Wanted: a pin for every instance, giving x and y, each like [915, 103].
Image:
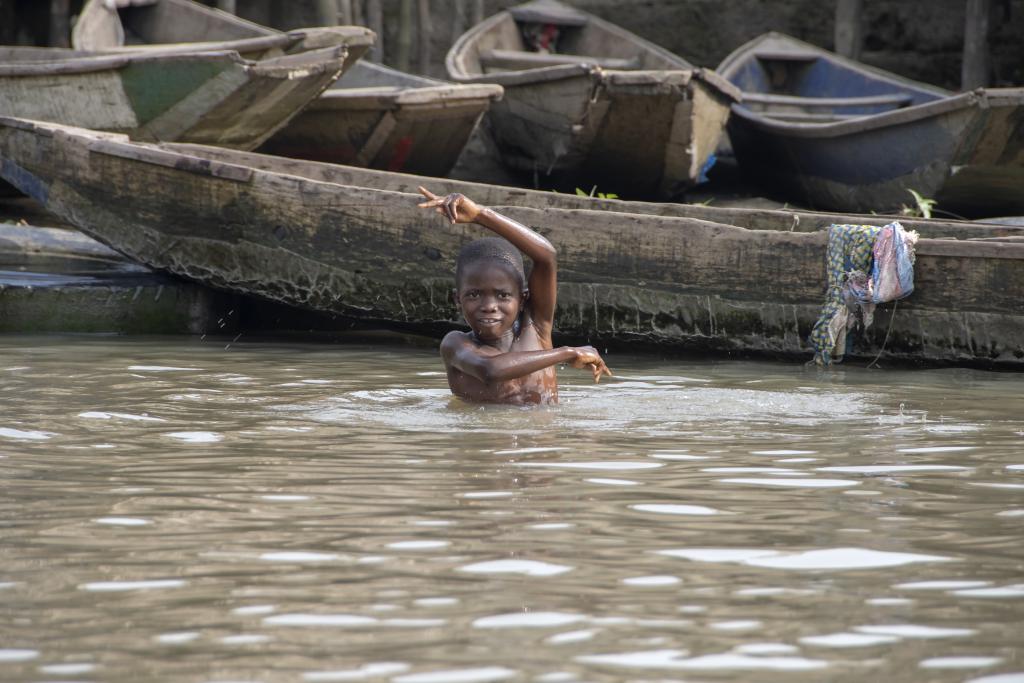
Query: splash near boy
[507, 356]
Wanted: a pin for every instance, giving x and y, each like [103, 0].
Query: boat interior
[790, 82]
[545, 34]
[365, 74]
[182, 21]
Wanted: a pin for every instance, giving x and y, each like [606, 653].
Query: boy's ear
[455, 296]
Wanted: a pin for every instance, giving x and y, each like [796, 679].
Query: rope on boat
[887, 331]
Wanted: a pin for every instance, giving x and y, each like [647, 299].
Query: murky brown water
[176, 511]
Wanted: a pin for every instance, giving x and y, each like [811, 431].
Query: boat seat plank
[548, 13]
[785, 56]
[809, 117]
[893, 99]
[522, 59]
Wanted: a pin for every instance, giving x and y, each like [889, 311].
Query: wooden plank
[974, 72]
[403, 51]
[849, 29]
[375, 20]
[345, 13]
[60, 26]
[458, 19]
[376, 140]
[522, 59]
[227, 6]
[896, 99]
[326, 12]
[424, 36]
[785, 56]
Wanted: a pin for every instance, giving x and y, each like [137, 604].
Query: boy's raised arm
[543, 283]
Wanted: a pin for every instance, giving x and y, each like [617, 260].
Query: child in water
[507, 356]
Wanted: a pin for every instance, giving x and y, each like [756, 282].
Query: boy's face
[490, 296]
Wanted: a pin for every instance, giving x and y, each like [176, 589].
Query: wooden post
[974, 72]
[375, 20]
[849, 32]
[358, 16]
[7, 25]
[424, 35]
[404, 46]
[345, 12]
[478, 12]
[60, 24]
[227, 6]
[458, 20]
[326, 12]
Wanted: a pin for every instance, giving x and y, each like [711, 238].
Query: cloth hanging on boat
[892, 273]
[866, 265]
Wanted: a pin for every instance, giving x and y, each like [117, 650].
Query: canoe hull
[203, 97]
[584, 129]
[784, 220]
[611, 110]
[381, 118]
[970, 159]
[964, 151]
[372, 254]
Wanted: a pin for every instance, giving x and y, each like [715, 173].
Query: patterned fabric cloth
[892, 274]
[866, 265]
[847, 262]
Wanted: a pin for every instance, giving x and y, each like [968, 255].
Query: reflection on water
[175, 510]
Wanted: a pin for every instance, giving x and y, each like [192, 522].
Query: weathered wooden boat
[57, 280]
[213, 97]
[383, 118]
[588, 103]
[375, 116]
[306, 240]
[108, 25]
[786, 220]
[836, 134]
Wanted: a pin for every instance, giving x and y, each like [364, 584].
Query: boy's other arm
[488, 364]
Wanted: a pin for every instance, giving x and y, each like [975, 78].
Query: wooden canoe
[597, 106]
[184, 25]
[383, 118]
[372, 254]
[215, 98]
[835, 134]
[141, 24]
[784, 220]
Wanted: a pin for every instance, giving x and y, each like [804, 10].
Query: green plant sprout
[923, 207]
[594, 193]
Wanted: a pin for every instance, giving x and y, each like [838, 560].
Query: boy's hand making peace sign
[457, 208]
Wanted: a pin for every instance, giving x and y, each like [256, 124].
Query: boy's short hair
[495, 249]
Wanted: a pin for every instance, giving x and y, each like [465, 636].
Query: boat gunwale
[745, 52]
[108, 62]
[945, 101]
[120, 146]
[729, 213]
[446, 95]
[861, 124]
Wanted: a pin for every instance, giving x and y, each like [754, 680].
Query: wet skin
[493, 363]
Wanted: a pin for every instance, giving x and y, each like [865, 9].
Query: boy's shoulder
[455, 340]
